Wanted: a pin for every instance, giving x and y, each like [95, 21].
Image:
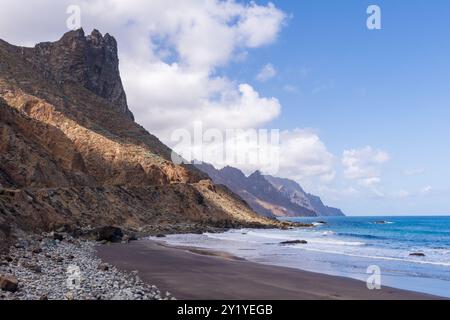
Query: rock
[33, 267]
[36, 250]
[129, 237]
[57, 236]
[69, 295]
[294, 242]
[160, 235]
[22, 244]
[9, 283]
[109, 233]
[417, 254]
[103, 267]
[61, 229]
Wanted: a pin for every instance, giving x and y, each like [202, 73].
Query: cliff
[270, 196]
[71, 153]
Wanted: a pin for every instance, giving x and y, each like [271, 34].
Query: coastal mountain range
[270, 196]
[72, 155]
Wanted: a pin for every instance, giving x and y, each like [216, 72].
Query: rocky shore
[57, 266]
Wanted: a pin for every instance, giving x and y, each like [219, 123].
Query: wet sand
[199, 274]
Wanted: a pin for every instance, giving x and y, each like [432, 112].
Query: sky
[363, 114]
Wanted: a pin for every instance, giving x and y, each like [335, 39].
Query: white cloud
[364, 165]
[291, 88]
[266, 73]
[298, 154]
[169, 51]
[304, 156]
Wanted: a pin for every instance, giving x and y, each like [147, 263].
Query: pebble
[77, 275]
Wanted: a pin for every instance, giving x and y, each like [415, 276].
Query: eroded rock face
[71, 154]
[91, 61]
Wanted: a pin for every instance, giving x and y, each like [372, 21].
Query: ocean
[347, 246]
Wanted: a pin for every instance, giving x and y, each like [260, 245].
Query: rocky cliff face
[270, 196]
[70, 152]
[296, 194]
[91, 61]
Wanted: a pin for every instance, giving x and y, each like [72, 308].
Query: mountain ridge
[270, 196]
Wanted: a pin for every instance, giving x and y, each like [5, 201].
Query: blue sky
[388, 88]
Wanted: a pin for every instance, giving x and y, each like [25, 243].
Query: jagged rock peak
[91, 61]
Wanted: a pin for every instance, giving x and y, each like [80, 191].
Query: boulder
[33, 267]
[129, 237]
[8, 283]
[36, 250]
[294, 242]
[417, 254]
[69, 296]
[57, 236]
[21, 244]
[111, 234]
[103, 267]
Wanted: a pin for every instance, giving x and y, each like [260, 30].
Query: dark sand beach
[197, 274]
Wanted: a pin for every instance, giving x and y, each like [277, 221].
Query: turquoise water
[347, 246]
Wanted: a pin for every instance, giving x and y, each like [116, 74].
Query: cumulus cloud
[364, 165]
[304, 155]
[266, 73]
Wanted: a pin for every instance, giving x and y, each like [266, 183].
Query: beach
[199, 274]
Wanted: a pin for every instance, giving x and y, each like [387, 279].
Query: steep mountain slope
[296, 194]
[237, 182]
[70, 152]
[269, 196]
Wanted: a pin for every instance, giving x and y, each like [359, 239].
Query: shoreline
[191, 273]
